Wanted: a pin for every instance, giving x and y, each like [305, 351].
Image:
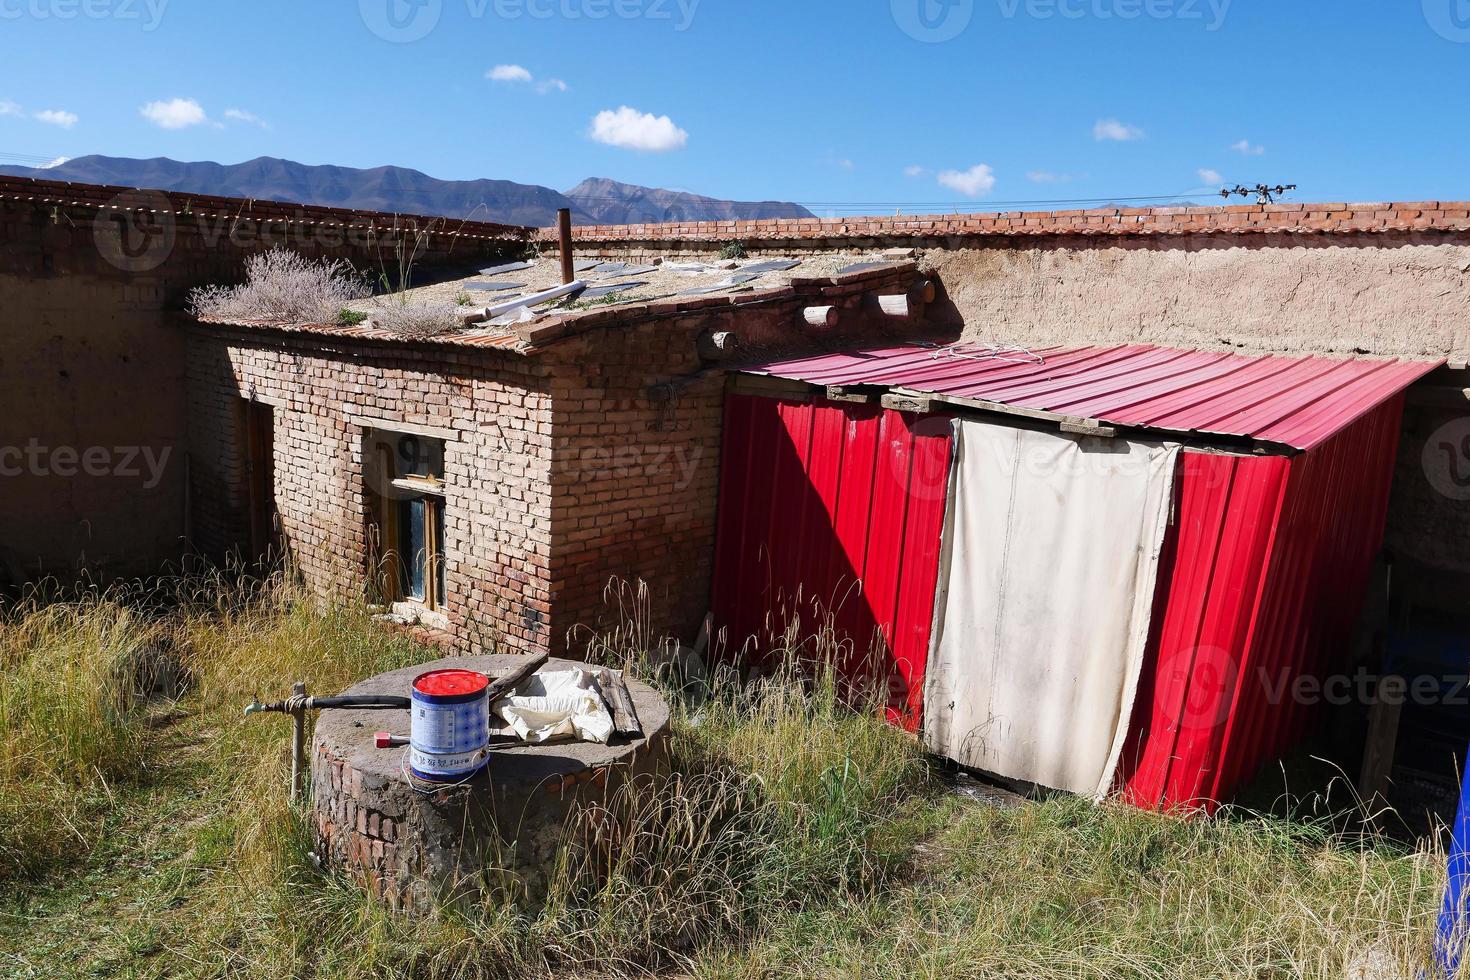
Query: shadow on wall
[828, 542]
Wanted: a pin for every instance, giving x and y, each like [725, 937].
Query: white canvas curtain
[1051, 551]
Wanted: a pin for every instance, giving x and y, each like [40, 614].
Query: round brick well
[415, 846]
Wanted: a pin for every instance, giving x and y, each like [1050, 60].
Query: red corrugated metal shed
[830, 515]
[1265, 564]
[1295, 402]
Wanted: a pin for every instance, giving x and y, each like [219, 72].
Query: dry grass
[282, 286]
[414, 319]
[797, 837]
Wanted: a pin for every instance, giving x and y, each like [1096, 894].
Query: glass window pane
[411, 546]
[418, 457]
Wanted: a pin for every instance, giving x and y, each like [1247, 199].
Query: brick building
[528, 467]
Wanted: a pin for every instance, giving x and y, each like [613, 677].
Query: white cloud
[175, 113]
[240, 115]
[1047, 177]
[979, 179]
[58, 117]
[508, 73]
[1208, 176]
[1245, 147]
[520, 75]
[846, 164]
[8, 108]
[54, 163]
[633, 130]
[915, 171]
[1112, 129]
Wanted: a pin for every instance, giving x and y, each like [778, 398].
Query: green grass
[148, 838]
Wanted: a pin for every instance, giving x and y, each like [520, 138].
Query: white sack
[562, 704]
[1051, 551]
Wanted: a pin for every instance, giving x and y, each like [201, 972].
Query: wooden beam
[1090, 427]
[564, 241]
[508, 682]
[820, 316]
[908, 403]
[716, 344]
[897, 306]
[620, 704]
[841, 393]
[767, 387]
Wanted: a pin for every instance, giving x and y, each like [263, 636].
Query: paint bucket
[449, 725]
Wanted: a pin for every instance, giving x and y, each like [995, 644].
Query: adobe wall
[493, 412]
[1387, 294]
[93, 284]
[1395, 294]
[1296, 278]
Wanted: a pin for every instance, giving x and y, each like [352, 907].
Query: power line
[26, 159]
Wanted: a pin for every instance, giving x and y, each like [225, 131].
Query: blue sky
[844, 101]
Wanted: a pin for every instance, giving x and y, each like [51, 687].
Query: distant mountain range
[397, 189]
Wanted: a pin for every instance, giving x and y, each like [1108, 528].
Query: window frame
[392, 566]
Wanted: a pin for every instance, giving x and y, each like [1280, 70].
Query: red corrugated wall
[841, 505]
[1262, 582]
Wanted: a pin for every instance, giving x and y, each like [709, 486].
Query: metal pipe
[298, 740]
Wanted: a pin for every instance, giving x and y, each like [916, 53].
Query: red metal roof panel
[1293, 401]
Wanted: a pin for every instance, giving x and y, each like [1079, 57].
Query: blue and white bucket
[449, 725]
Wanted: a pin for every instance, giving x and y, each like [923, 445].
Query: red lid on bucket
[451, 683]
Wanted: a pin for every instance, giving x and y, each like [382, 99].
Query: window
[406, 484]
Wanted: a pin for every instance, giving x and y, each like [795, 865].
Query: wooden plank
[1089, 428]
[1383, 736]
[507, 683]
[768, 387]
[841, 393]
[620, 703]
[908, 403]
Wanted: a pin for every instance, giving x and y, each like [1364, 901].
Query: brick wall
[595, 458]
[1325, 219]
[637, 422]
[93, 282]
[492, 411]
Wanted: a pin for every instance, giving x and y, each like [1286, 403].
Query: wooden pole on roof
[564, 234]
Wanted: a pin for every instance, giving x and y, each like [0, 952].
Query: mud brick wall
[492, 411]
[93, 284]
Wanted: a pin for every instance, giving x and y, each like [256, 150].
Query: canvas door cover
[1051, 552]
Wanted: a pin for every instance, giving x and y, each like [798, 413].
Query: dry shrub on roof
[417, 319]
[282, 286]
